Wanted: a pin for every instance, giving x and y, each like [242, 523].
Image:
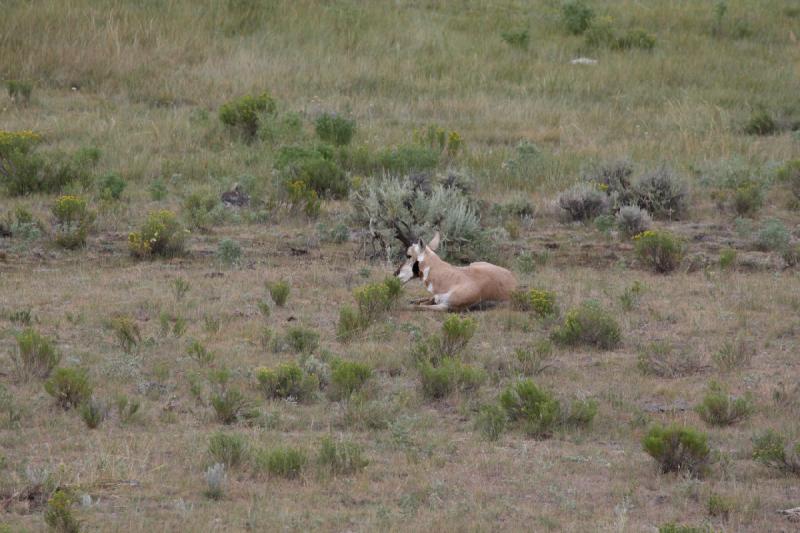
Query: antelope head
[415, 254]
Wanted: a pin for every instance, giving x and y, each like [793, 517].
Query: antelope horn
[405, 236]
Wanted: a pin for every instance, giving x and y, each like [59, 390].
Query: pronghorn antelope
[454, 288]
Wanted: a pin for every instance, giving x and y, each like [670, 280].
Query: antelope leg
[423, 301]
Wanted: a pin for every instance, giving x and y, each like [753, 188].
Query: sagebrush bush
[589, 324]
[662, 359]
[770, 449]
[491, 421]
[448, 377]
[539, 301]
[747, 198]
[773, 236]
[662, 194]
[111, 186]
[73, 221]
[583, 201]
[360, 413]
[282, 462]
[69, 386]
[577, 16]
[229, 449]
[216, 479]
[580, 413]
[279, 292]
[632, 220]
[340, 457]
[161, 235]
[347, 377]
[58, 515]
[245, 114]
[717, 408]
[335, 129]
[533, 409]
[659, 250]
[678, 449]
[287, 380]
[35, 357]
[93, 412]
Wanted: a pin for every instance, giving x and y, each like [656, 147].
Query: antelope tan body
[452, 287]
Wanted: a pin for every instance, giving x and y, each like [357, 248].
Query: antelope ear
[434, 244]
[421, 245]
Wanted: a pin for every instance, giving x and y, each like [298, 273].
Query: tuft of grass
[678, 449]
[589, 324]
[216, 481]
[717, 408]
[35, 357]
[200, 353]
[279, 292]
[127, 332]
[760, 123]
[230, 405]
[340, 457]
[287, 381]
[229, 449]
[734, 354]
[229, 252]
[449, 376]
[662, 359]
[93, 412]
[282, 462]
[69, 386]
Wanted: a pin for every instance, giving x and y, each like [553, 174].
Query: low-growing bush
[127, 332]
[200, 353]
[245, 114]
[632, 220]
[315, 168]
[456, 334]
[662, 194]
[583, 201]
[199, 209]
[376, 299]
[747, 198]
[580, 414]
[229, 449]
[300, 339]
[662, 359]
[659, 250]
[301, 197]
[491, 421]
[538, 301]
[348, 377]
[58, 515]
[577, 16]
[229, 252]
[216, 480]
[349, 325]
[73, 221]
[35, 357]
[127, 409]
[69, 386]
[720, 506]
[760, 123]
[770, 449]
[19, 90]
[334, 129]
[93, 412]
[340, 457]
[230, 405]
[678, 449]
[161, 235]
[589, 324]
[773, 236]
[789, 174]
[516, 38]
[279, 292]
[535, 410]
[111, 186]
[287, 381]
[727, 258]
[450, 376]
[282, 462]
[719, 409]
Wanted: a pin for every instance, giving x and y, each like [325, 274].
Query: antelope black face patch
[415, 269]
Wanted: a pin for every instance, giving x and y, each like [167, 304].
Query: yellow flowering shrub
[539, 301]
[73, 221]
[161, 234]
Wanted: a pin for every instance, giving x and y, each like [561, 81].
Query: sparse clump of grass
[662, 194]
[336, 233]
[533, 360]
[576, 16]
[349, 324]
[19, 90]
[245, 114]
[127, 408]
[335, 129]
[161, 235]
[279, 292]
[229, 449]
[583, 201]
[635, 38]
[180, 288]
[659, 250]
[678, 449]
[200, 353]
[229, 252]
[591, 325]
[727, 258]
[770, 448]
[449, 376]
[734, 354]
[720, 506]
[58, 515]
[127, 332]
[287, 381]
[491, 421]
[536, 411]
[360, 413]
[35, 356]
[719, 409]
[789, 174]
[282, 462]
[69, 386]
[340, 457]
[541, 302]
[629, 299]
[773, 236]
[632, 220]
[111, 186]
[93, 412]
[760, 123]
[348, 377]
[73, 221]
[216, 481]
[662, 359]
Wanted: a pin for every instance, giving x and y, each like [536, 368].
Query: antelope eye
[408, 256]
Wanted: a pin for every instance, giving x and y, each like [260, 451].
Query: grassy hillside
[131, 110]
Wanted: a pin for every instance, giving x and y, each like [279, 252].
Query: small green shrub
[282, 462]
[539, 301]
[789, 174]
[111, 186]
[312, 169]
[287, 381]
[659, 250]
[536, 411]
[300, 339]
[635, 38]
[719, 409]
[279, 292]
[334, 129]
[632, 220]
[69, 386]
[245, 114]
[349, 325]
[727, 258]
[180, 288]
[450, 376]
[376, 299]
[19, 90]
[662, 194]
[127, 409]
[491, 421]
[516, 38]
[199, 209]
[760, 123]
[589, 324]
[35, 357]
[577, 17]
[678, 449]
[200, 353]
[456, 334]
[601, 34]
[770, 449]
[229, 252]
[583, 201]
[127, 332]
[229, 449]
[161, 235]
[58, 516]
[73, 221]
[230, 405]
[216, 479]
[747, 198]
[340, 458]
[720, 506]
[773, 236]
[360, 413]
[348, 377]
[93, 412]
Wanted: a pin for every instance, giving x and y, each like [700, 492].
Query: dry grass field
[134, 390]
